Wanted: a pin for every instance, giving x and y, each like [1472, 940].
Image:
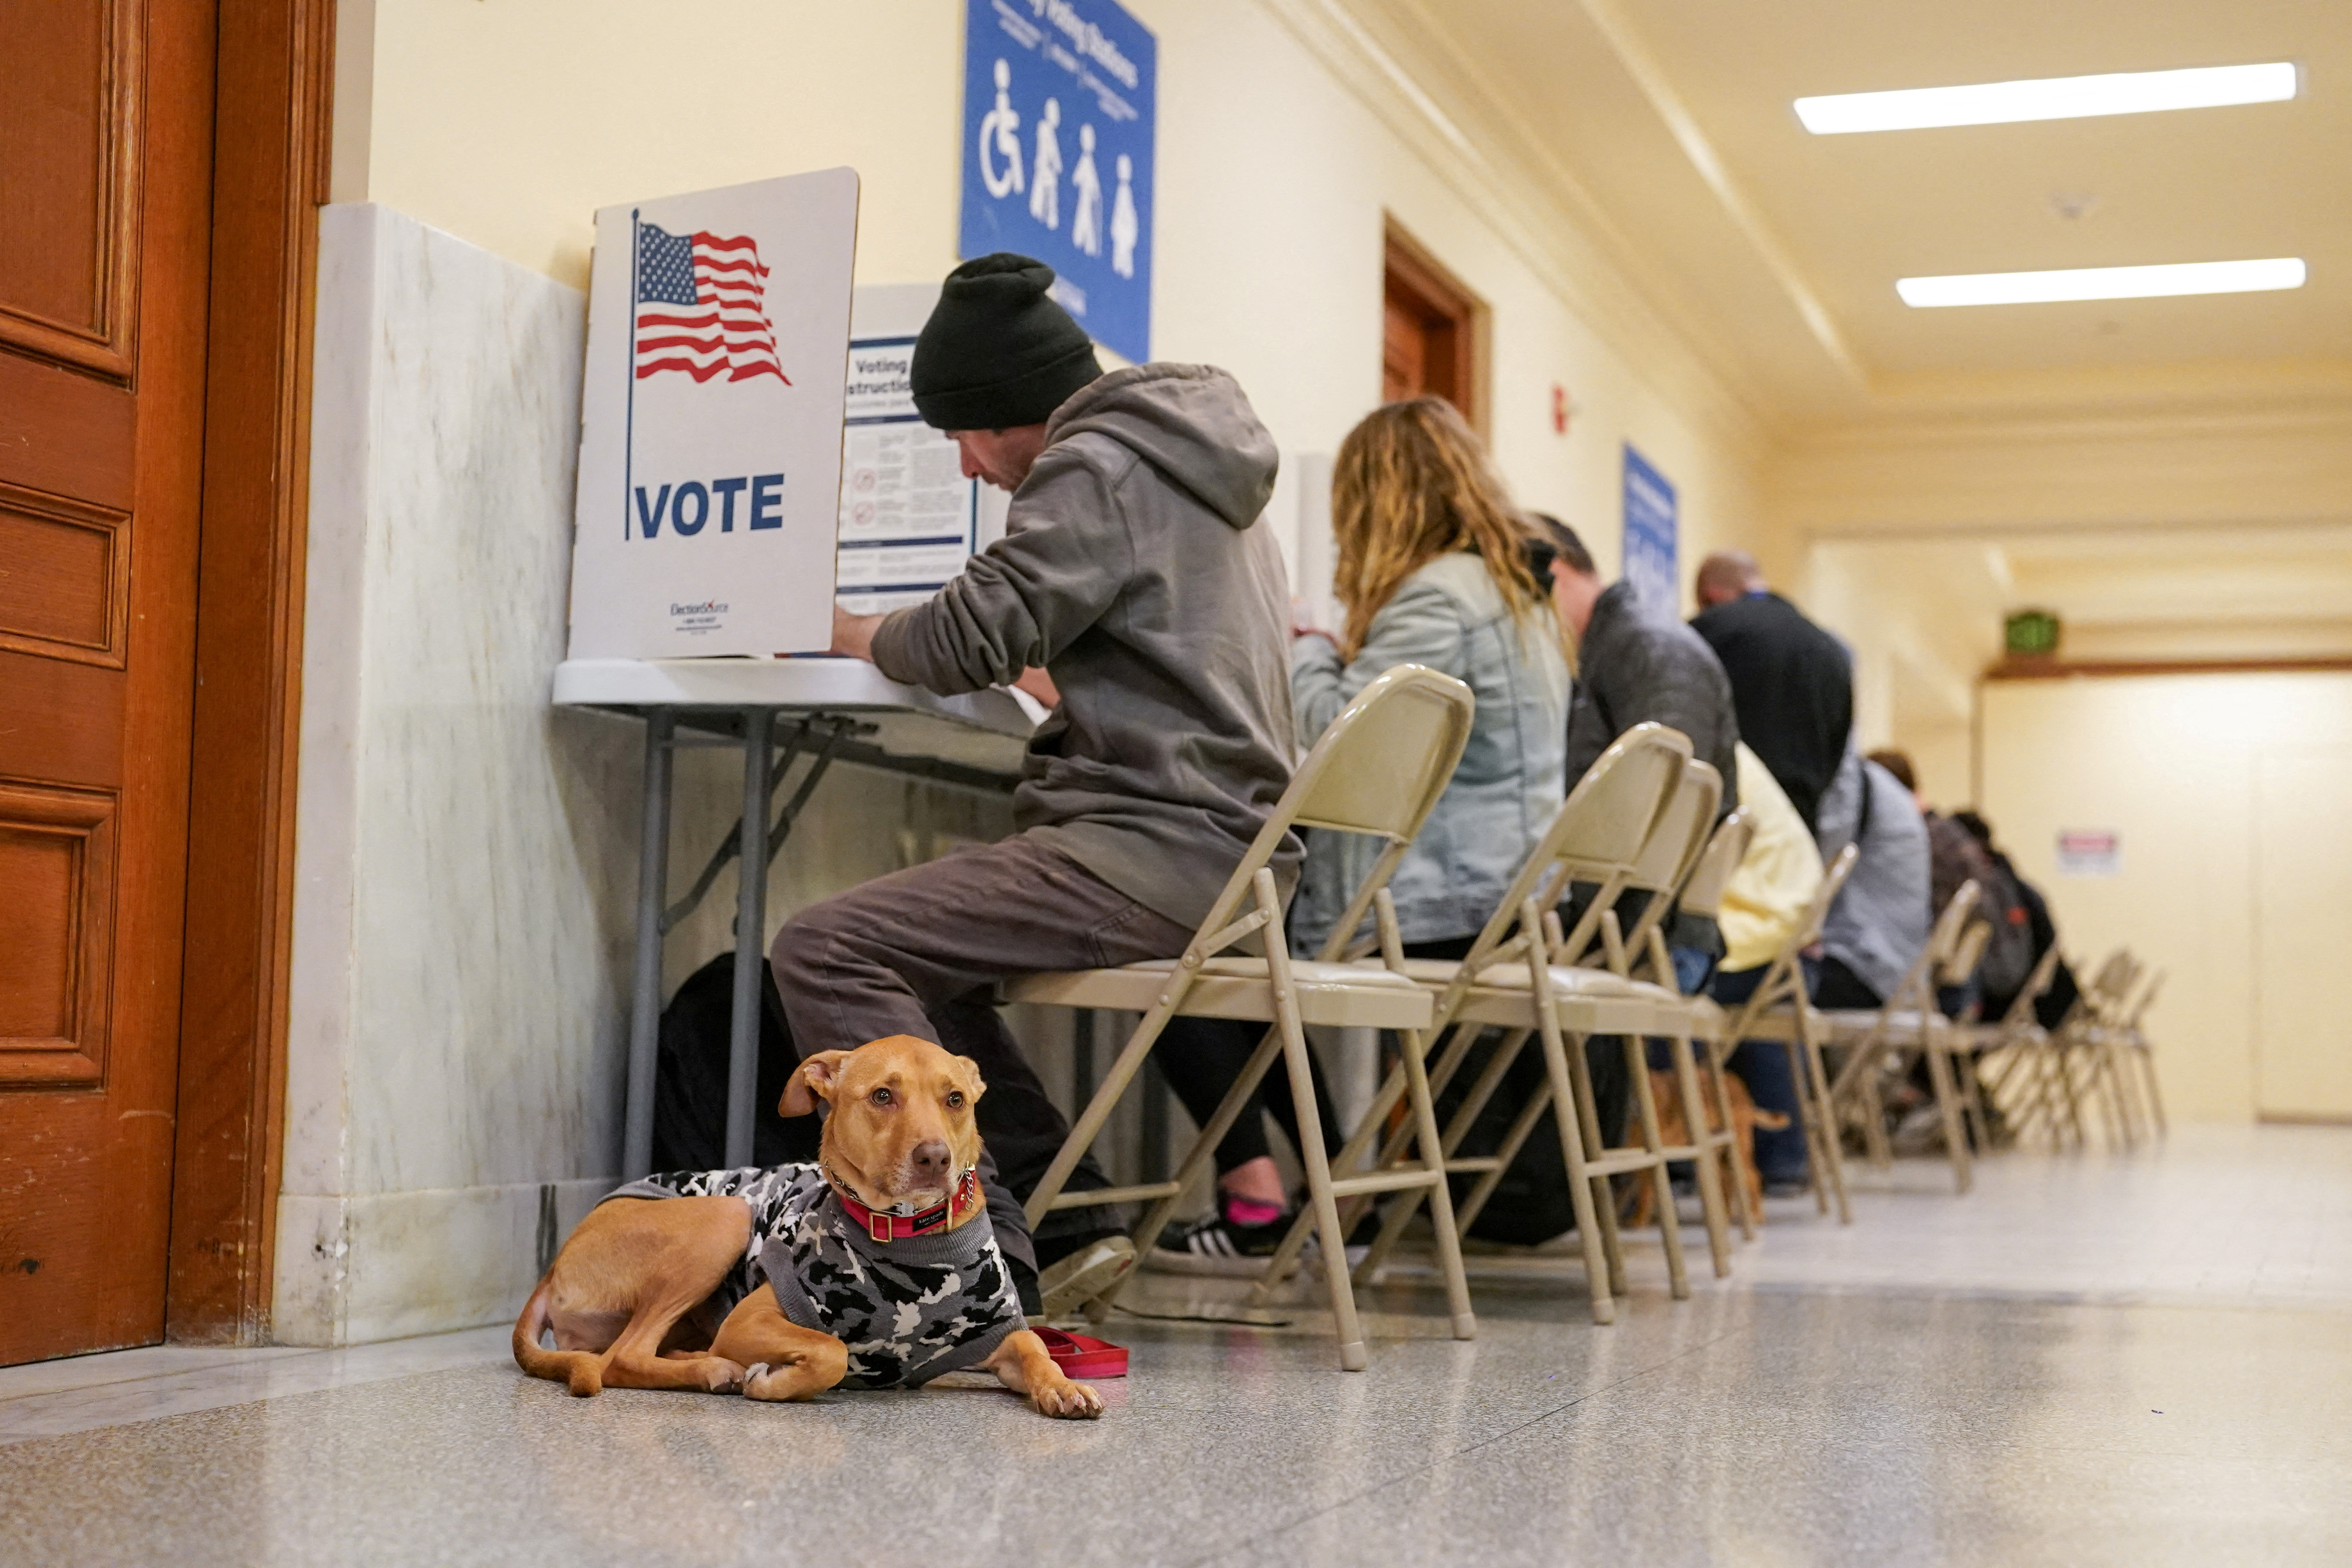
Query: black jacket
[1632, 665]
[1792, 685]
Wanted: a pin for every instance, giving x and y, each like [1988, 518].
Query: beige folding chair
[1781, 1009]
[1378, 770]
[2080, 1061]
[1880, 1042]
[2142, 1050]
[1702, 894]
[1518, 976]
[1957, 1040]
[2020, 1045]
[1669, 860]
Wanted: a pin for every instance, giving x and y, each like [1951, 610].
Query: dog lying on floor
[875, 1268]
[1674, 1129]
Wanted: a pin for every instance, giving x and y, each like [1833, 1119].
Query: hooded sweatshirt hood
[1192, 422]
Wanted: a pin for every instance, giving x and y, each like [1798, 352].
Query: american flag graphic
[701, 307]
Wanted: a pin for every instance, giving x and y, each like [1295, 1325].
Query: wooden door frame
[272, 129]
[1410, 268]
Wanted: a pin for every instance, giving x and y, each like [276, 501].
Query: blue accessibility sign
[1058, 98]
[1651, 518]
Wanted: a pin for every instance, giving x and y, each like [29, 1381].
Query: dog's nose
[929, 1158]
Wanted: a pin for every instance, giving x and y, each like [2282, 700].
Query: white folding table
[831, 710]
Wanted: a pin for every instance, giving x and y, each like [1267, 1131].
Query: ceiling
[1596, 89]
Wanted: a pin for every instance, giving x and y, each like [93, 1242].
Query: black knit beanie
[997, 352]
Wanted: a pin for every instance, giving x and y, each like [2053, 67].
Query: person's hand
[854, 635]
[1040, 684]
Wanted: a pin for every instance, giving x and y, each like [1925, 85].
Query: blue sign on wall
[1058, 117]
[1650, 529]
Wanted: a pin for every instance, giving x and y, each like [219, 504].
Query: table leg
[750, 931]
[645, 1001]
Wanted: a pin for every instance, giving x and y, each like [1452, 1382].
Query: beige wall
[507, 123]
[2236, 866]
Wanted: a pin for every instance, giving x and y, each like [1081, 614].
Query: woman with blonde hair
[1433, 569]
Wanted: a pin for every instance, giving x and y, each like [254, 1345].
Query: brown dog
[1674, 1128]
[640, 1296]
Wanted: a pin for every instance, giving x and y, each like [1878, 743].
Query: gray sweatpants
[919, 952]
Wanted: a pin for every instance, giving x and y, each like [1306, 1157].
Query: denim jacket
[1450, 617]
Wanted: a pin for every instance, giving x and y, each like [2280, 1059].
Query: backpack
[2009, 955]
[691, 1076]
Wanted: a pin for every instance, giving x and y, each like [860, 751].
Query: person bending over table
[1434, 570]
[1134, 572]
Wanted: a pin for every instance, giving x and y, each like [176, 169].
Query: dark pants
[919, 952]
[1202, 1057]
[1763, 1066]
[1835, 986]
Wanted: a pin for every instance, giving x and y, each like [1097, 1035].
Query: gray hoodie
[1882, 915]
[1133, 571]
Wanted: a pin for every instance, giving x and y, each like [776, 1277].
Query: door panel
[57, 908]
[69, 252]
[105, 138]
[65, 577]
[2303, 927]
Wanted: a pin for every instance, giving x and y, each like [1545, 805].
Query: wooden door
[105, 139]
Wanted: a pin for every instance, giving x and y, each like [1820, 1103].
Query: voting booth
[748, 449]
[710, 421]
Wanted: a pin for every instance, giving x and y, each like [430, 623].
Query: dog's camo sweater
[908, 1310]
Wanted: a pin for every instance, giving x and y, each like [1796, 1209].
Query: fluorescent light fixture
[2103, 283]
[2053, 97]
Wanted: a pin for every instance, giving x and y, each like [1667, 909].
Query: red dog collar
[901, 1226]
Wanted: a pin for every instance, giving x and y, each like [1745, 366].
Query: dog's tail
[1772, 1121]
[582, 1371]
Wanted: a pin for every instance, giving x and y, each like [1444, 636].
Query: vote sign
[1058, 98]
[710, 425]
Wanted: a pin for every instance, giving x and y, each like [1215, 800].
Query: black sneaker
[1219, 1246]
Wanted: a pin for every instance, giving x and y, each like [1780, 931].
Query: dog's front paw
[721, 1376]
[1067, 1401]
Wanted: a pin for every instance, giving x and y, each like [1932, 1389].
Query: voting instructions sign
[710, 422]
[1650, 528]
[910, 520]
[1057, 129]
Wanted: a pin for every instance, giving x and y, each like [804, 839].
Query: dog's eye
[955, 1099]
[881, 1096]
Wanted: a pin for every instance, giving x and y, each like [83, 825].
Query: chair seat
[1344, 995]
[1709, 1019]
[1589, 1001]
[1849, 1025]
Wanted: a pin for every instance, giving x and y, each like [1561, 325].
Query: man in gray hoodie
[1133, 573]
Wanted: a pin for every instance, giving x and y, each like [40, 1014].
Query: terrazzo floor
[2138, 1359]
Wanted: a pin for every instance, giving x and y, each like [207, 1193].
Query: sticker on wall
[710, 432]
[1650, 534]
[1057, 141]
[2089, 852]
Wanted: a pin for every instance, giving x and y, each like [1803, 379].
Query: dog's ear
[811, 1081]
[974, 1085]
